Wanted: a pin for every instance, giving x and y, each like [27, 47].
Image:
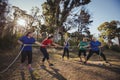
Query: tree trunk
[119, 40]
[62, 39]
[109, 43]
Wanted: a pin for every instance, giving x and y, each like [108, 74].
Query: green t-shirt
[82, 44]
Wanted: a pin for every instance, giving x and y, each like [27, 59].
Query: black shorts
[82, 51]
[26, 54]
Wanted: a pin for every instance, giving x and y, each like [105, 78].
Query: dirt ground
[70, 69]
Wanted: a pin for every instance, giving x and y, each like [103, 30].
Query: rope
[19, 55]
[45, 45]
[12, 62]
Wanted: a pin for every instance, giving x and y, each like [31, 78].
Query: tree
[81, 21]
[110, 30]
[3, 11]
[118, 31]
[31, 20]
[55, 15]
[7, 38]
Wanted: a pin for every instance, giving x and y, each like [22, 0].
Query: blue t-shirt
[27, 40]
[95, 45]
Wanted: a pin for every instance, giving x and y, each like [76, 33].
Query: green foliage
[110, 30]
[7, 39]
[8, 42]
[3, 11]
[73, 43]
[54, 16]
[115, 48]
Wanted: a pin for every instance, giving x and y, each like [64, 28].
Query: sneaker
[85, 62]
[100, 64]
[108, 63]
[30, 69]
[80, 61]
[42, 66]
[51, 64]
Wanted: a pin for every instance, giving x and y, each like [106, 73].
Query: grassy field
[70, 69]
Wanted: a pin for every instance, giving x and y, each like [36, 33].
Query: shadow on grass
[110, 68]
[31, 74]
[22, 75]
[55, 73]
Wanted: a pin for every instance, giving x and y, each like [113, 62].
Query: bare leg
[85, 58]
[30, 67]
[80, 59]
[50, 64]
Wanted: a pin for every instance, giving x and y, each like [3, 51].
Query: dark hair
[28, 33]
[50, 37]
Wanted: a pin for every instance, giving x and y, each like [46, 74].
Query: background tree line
[58, 17]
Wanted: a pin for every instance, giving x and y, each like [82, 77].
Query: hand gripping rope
[19, 55]
[16, 58]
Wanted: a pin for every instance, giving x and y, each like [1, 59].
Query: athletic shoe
[100, 64]
[51, 64]
[85, 62]
[108, 63]
[30, 69]
[80, 61]
[42, 66]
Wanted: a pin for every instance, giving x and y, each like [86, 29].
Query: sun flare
[21, 22]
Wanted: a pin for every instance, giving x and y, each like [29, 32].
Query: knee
[47, 57]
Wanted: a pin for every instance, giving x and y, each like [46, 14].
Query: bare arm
[56, 45]
[101, 46]
[20, 42]
[64, 43]
[87, 46]
[36, 42]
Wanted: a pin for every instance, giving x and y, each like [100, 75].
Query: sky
[100, 10]
[27, 4]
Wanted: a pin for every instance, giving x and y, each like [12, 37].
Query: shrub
[115, 48]
[8, 42]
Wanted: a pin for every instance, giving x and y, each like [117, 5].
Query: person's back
[66, 49]
[46, 42]
[66, 45]
[95, 45]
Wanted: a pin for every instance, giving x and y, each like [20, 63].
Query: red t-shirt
[46, 42]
